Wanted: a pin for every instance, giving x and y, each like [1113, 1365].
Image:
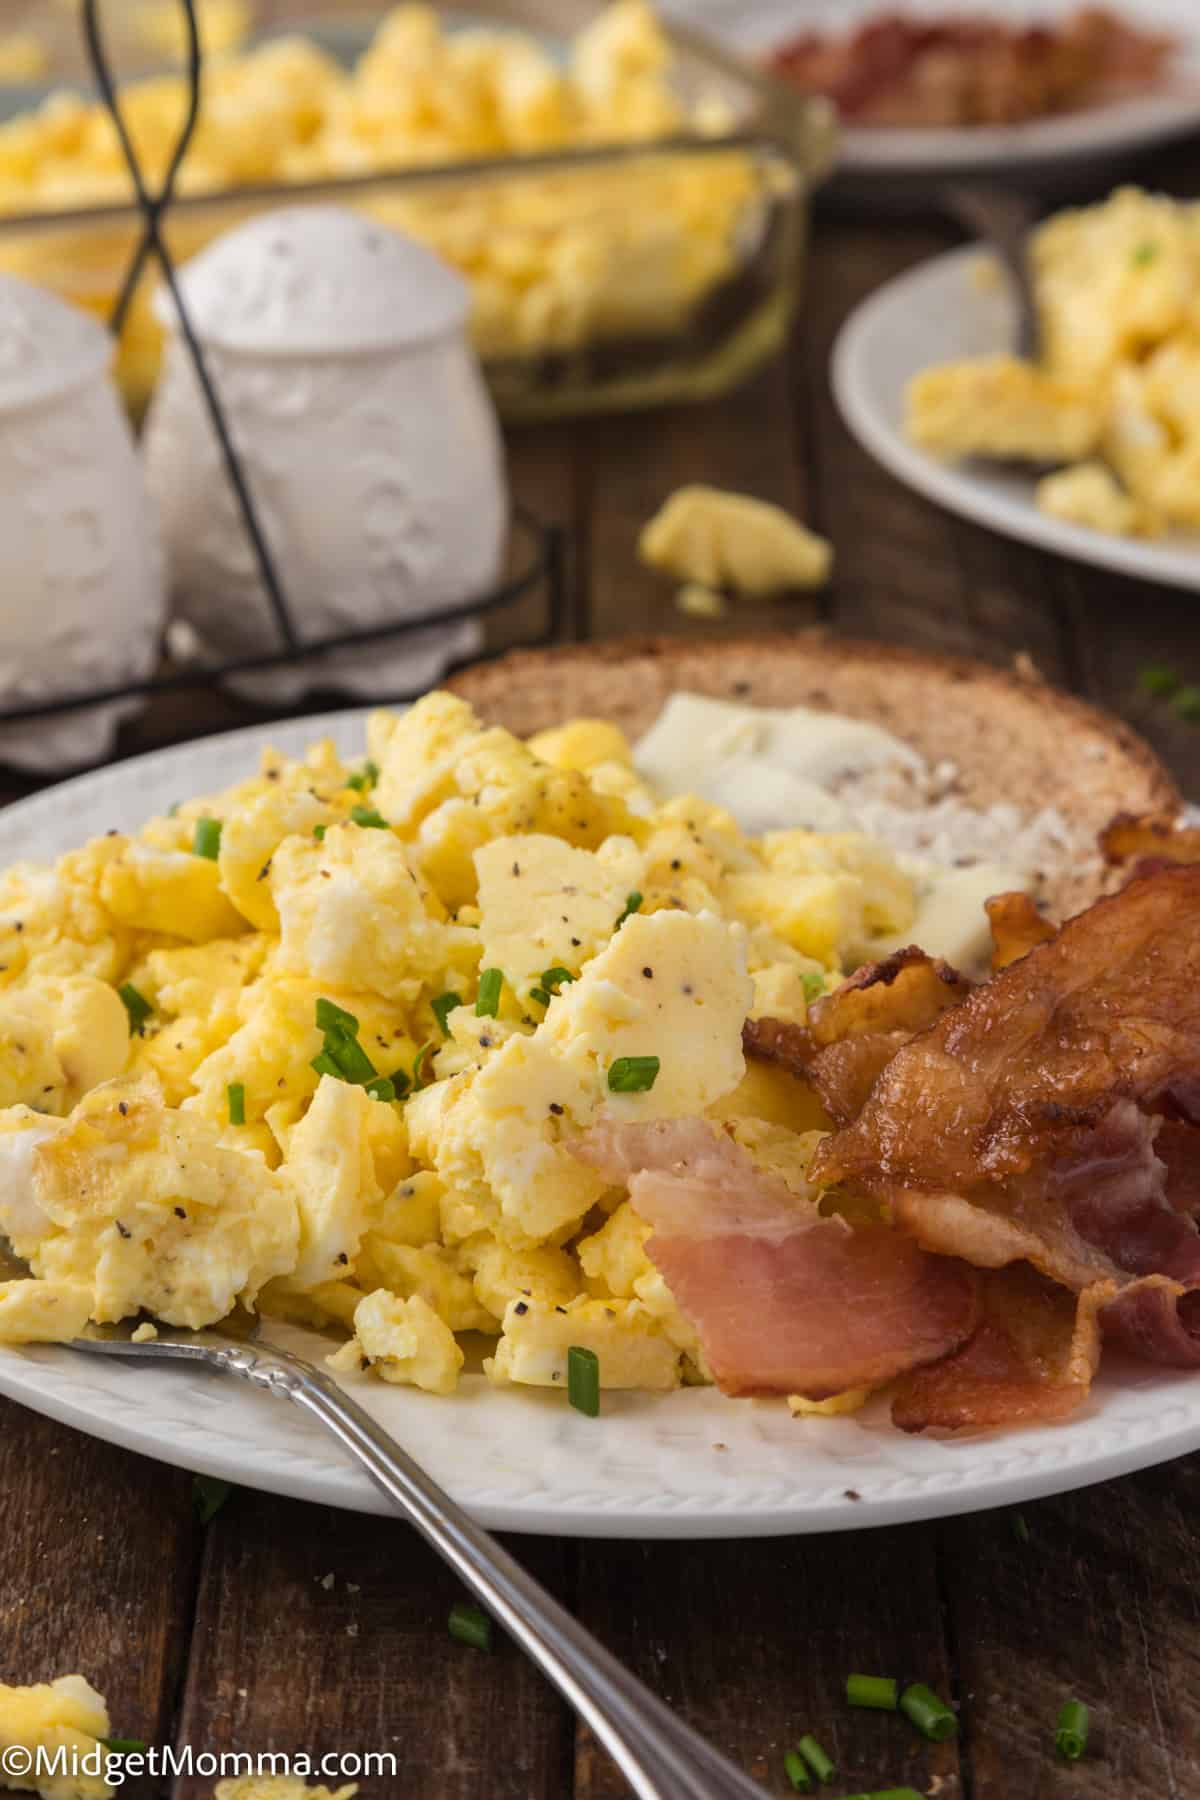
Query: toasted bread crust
[1010, 737]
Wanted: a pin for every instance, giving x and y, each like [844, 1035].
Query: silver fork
[659, 1756]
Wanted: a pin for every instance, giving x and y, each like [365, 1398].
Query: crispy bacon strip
[1030, 1360]
[1017, 926]
[1019, 1125]
[853, 1033]
[783, 1300]
[1156, 836]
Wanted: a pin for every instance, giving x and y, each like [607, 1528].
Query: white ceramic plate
[689, 1464]
[938, 313]
[757, 27]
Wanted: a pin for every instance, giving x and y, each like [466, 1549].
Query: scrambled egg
[714, 540]
[1115, 395]
[554, 258]
[54, 1716]
[320, 1045]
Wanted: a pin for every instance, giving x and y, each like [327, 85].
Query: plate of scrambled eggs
[1091, 450]
[308, 1020]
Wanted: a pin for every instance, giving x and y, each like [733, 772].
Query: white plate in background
[682, 1465]
[938, 313]
[755, 28]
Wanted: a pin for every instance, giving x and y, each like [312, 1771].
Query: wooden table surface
[232, 1635]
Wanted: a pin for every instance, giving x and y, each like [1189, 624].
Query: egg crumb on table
[711, 540]
[65, 1715]
[1113, 400]
[264, 1054]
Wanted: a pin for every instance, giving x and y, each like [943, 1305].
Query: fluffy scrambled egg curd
[66, 1715]
[1115, 395]
[715, 540]
[320, 1045]
[555, 258]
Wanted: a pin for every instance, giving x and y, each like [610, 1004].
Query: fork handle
[660, 1756]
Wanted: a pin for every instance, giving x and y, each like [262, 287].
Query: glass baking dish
[602, 277]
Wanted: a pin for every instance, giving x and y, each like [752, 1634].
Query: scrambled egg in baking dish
[554, 258]
[1115, 395]
[318, 1045]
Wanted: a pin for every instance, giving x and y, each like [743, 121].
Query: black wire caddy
[536, 549]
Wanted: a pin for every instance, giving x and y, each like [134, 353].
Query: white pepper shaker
[81, 603]
[368, 442]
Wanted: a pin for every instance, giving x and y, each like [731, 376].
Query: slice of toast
[1011, 738]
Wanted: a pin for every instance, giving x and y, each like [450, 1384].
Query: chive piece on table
[236, 1095]
[1157, 679]
[470, 1625]
[877, 1691]
[797, 1771]
[369, 817]
[121, 1746]
[931, 1716]
[632, 903]
[487, 1001]
[137, 1006]
[583, 1380]
[633, 1074]
[442, 1007]
[815, 1757]
[209, 1494]
[1071, 1734]
[206, 839]
[1020, 1529]
[1186, 704]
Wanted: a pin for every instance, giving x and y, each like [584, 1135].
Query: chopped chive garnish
[442, 1007]
[1157, 679]
[1144, 254]
[236, 1095]
[124, 1746]
[209, 1494]
[931, 1716]
[583, 1380]
[813, 985]
[556, 977]
[487, 1001]
[206, 839]
[540, 995]
[419, 1077]
[1186, 704]
[319, 832]
[816, 1758]
[1020, 1529]
[632, 903]
[137, 1006]
[382, 1088]
[369, 818]
[352, 1060]
[877, 1691]
[470, 1625]
[366, 778]
[796, 1770]
[325, 1065]
[1071, 1735]
[331, 1017]
[633, 1074]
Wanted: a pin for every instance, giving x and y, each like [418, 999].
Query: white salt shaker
[368, 441]
[81, 601]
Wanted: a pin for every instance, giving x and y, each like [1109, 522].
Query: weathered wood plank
[98, 1558]
[1100, 1605]
[285, 1659]
[752, 1643]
